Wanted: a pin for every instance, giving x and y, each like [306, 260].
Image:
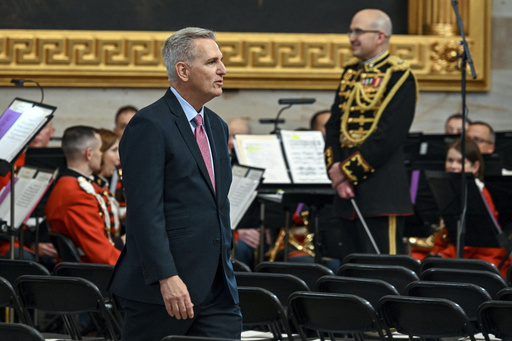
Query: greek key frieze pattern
[307, 61]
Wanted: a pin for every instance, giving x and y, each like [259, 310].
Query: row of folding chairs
[400, 276]
[74, 288]
[345, 304]
[426, 318]
[372, 282]
[406, 261]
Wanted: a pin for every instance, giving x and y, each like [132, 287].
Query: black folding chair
[281, 285]
[64, 296]
[308, 272]
[66, 248]
[332, 314]
[433, 318]
[240, 266]
[19, 332]
[99, 274]
[384, 259]
[396, 275]
[370, 289]
[12, 269]
[494, 318]
[469, 296]
[504, 294]
[261, 309]
[9, 299]
[488, 280]
[458, 263]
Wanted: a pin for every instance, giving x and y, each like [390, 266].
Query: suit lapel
[188, 136]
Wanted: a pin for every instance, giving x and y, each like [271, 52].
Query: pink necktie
[202, 142]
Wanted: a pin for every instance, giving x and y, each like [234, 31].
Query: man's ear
[381, 37]
[182, 71]
[88, 153]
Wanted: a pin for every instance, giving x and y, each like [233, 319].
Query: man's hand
[250, 237]
[345, 190]
[46, 250]
[336, 175]
[176, 298]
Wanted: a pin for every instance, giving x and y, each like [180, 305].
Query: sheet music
[305, 154]
[263, 151]
[243, 190]
[30, 186]
[18, 125]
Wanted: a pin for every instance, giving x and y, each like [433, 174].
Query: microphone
[270, 120]
[292, 101]
[289, 102]
[21, 82]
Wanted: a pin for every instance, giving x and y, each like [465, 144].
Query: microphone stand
[465, 60]
[21, 82]
[276, 121]
[289, 102]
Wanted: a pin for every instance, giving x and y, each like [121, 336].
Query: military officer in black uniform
[371, 116]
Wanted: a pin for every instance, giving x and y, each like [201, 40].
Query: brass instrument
[305, 245]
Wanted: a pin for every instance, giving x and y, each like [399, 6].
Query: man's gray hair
[180, 47]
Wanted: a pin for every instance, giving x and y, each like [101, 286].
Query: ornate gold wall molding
[254, 60]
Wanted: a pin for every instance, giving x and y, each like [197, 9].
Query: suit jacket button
[216, 241]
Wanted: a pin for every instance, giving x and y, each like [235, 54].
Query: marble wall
[97, 106]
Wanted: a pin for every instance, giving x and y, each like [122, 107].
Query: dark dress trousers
[176, 223]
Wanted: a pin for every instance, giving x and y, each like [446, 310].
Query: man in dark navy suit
[174, 276]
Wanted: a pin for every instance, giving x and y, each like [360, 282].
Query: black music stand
[9, 119]
[482, 229]
[315, 198]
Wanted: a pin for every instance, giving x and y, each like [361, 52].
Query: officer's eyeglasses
[358, 32]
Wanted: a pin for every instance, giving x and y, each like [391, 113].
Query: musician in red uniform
[77, 207]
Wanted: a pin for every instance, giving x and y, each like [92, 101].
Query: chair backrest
[504, 294]
[193, 338]
[99, 274]
[240, 266]
[66, 248]
[370, 289]
[425, 317]
[9, 299]
[12, 269]
[261, 308]
[469, 296]
[396, 275]
[308, 272]
[384, 259]
[494, 318]
[458, 263]
[488, 280]
[19, 332]
[63, 296]
[281, 285]
[333, 313]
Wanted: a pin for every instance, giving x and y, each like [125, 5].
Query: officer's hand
[345, 190]
[336, 175]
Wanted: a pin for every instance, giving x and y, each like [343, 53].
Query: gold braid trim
[358, 92]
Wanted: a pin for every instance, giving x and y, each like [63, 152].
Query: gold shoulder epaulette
[351, 61]
[398, 64]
